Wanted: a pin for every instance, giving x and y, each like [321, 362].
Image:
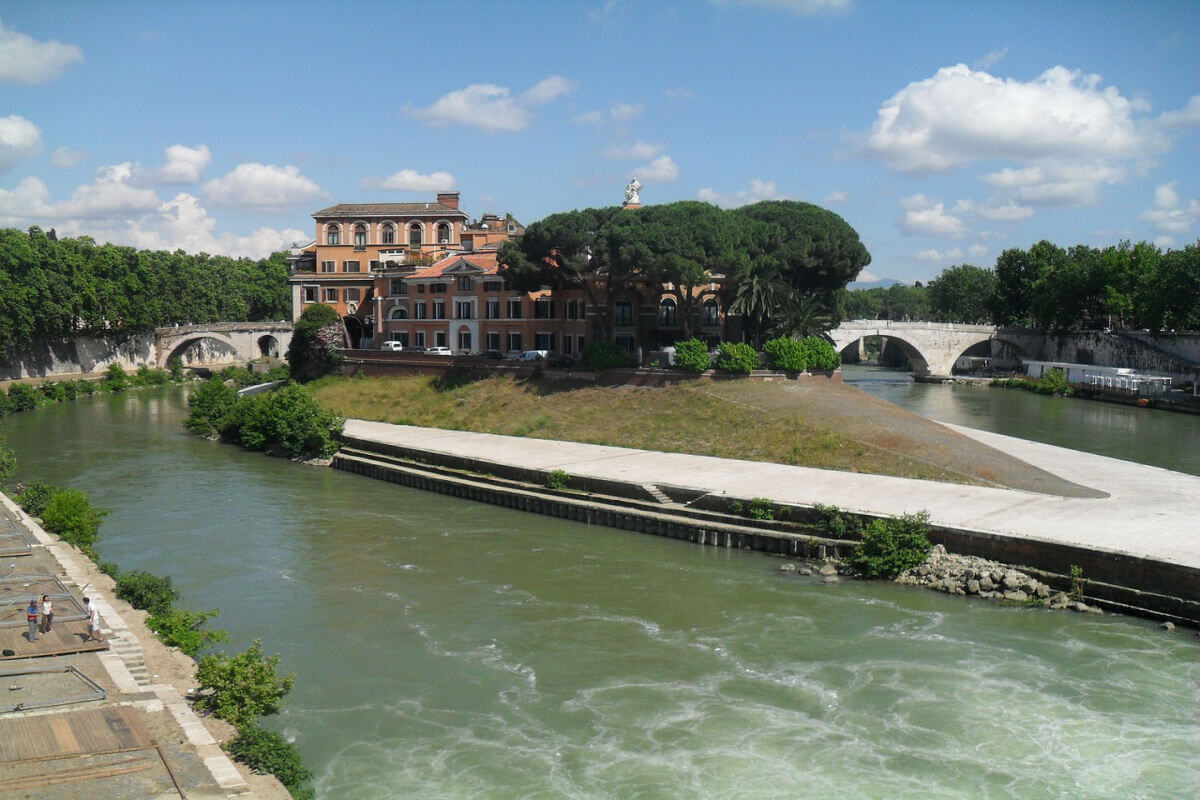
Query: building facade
[426, 275]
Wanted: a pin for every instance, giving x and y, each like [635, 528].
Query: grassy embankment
[730, 419]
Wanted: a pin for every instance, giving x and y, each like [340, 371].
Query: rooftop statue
[631, 193]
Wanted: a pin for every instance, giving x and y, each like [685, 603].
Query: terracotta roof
[484, 261]
[388, 210]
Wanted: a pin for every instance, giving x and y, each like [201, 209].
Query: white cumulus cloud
[491, 107]
[266, 187]
[662, 168]
[1170, 214]
[757, 190]
[19, 139]
[624, 112]
[23, 59]
[962, 115]
[935, 255]
[632, 151]
[183, 164]
[923, 216]
[835, 198]
[1006, 212]
[409, 180]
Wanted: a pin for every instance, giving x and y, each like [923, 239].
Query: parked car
[534, 355]
[495, 355]
[439, 351]
[393, 346]
[414, 348]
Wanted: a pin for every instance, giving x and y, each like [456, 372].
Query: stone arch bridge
[221, 342]
[932, 347]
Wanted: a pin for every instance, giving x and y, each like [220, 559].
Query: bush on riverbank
[890, 546]
[240, 689]
[153, 593]
[691, 355]
[737, 357]
[266, 752]
[71, 516]
[811, 353]
[1052, 383]
[601, 354]
[27, 397]
[287, 421]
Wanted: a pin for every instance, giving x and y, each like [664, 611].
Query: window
[333, 234]
[543, 308]
[514, 341]
[350, 266]
[493, 309]
[624, 313]
[420, 288]
[468, 244]
[388, 233]
[310, 294]
[437, 288]
[399, 312]
[514, 309]
[398, 286]
[543, 341]
[419, 338]
[710, 313]
[567, 345]
[360, 237]
[493, 286]
[351, 294]
[443, 233]
[414, 234]
[579, 344]
[493, 341]
[439, 339]
[464, 340]
[575, 309]
[463, 310]
[465, 284]
[666, 313]
[439, 309]
[419, 310]
[401, 337]
[331, 295]
[328, 266]
[374, 265]
[625, 343]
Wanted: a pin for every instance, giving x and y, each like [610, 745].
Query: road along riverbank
[1137, 541]
[55, 736]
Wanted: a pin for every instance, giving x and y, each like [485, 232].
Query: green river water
[447, 649]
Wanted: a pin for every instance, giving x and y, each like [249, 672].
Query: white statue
[631, 193]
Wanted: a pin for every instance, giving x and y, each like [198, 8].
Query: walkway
[1149, 512]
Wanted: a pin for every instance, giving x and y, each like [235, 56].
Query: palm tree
[760, 288]
[801, 314]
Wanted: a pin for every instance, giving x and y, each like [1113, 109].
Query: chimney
[448, 199]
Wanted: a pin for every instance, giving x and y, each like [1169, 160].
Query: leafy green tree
[316, 337]
[268, 752]
[962, 294]
[816, 250]
[141, 589]
[801, 315]
[208, 406]
[184, 629]
[242, 688]
[759, 290]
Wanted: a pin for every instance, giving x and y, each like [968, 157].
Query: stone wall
[83, 354]
[1178, 356]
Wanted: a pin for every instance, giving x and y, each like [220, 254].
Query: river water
[447, 649]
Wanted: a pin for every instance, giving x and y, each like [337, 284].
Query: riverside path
[1146, 513]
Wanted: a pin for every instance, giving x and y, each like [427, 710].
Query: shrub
[150, 377]
[738, 358]
[36, 497]
[240, 689]
[820, 355]
[208, 405]
[890, 546]
[115, 378]
[239, 375]
[72, 516]
[175, 368]
[277, 373]
[1053, 382]
[268, 752]
[85, 387]
[786, 353]
[8, 460]
[5, 403]
[23, 397]
[53, 392]
[180, 627]
[839, 524]
[110, 569]
[691, 355]
[761, 508]
[153, 593]
[557, 479]
[70, 389]
[605, 354]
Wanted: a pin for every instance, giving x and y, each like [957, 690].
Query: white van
[393, 346]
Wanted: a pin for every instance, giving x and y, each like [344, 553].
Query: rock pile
[955, 574]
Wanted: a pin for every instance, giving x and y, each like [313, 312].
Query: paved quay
[1148, 513]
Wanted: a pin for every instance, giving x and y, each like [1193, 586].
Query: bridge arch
[268, 346]
[931, 347]
[192, 350]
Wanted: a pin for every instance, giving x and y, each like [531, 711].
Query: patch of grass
[744, 420]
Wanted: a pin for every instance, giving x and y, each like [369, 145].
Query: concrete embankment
[1138, 545]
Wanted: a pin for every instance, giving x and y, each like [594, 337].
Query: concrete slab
[1148, 512]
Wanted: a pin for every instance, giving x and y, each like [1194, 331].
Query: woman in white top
[47, 613]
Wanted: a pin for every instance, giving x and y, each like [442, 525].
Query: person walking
[47, 613]
[31, 614]
[93, 621]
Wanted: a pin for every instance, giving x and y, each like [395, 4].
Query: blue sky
[943, 132]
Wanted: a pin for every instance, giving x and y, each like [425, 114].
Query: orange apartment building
[425, 275]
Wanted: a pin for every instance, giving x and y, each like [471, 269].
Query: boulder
[830, 579]
[973, 586]
[1016, 595]
[805, 571]
[1012, 580]
[1167, 626]
[986, 584]
[828, 568]
[787, 567]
